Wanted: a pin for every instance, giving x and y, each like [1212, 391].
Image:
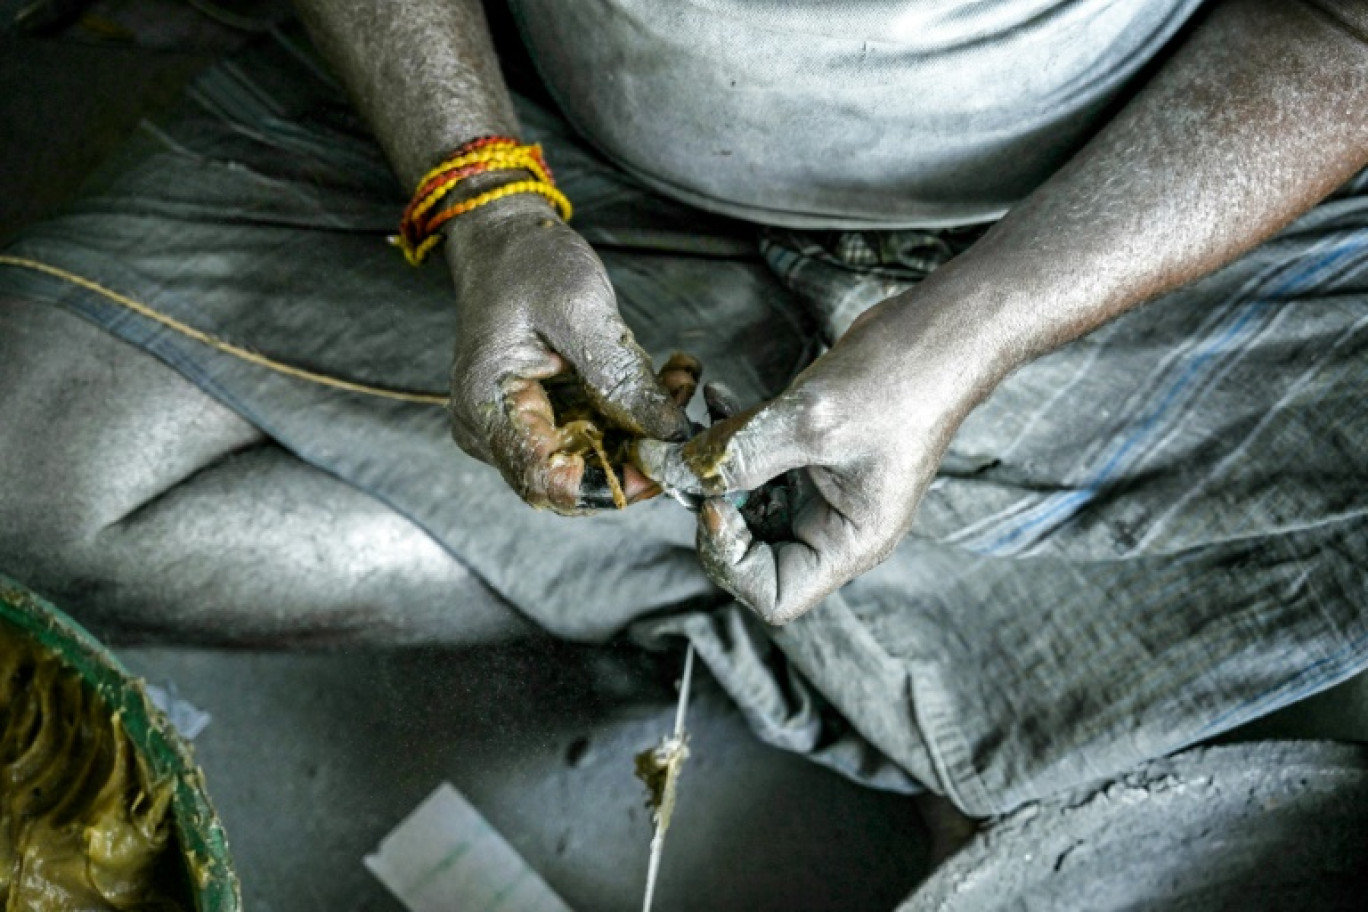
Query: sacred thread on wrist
[423, 218]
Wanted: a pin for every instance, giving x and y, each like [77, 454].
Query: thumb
[738, 454]
[626, 388]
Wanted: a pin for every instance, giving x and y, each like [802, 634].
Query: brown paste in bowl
[82, 824]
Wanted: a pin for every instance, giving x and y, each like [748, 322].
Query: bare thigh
[149, 510]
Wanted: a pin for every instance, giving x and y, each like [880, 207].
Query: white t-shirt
[843, 113]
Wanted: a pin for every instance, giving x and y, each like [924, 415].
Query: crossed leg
[148, 509]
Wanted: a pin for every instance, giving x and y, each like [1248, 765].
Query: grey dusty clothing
[852, 113]
[1137, 542]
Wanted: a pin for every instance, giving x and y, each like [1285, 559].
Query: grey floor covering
[311, 759]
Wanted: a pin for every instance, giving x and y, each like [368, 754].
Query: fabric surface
[844, 113]
[1139, 541]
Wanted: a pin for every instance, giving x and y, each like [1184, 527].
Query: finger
[680, 377]
[475, 414]
[527, 449]
[596, 492]
[721, 401]
[619, 377]
[783, 580]
[544, 461]
[471, 442]
[738, 454]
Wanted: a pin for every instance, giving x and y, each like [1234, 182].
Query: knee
[50, 502]
[41, 542]
[41, 501]
[92, 429]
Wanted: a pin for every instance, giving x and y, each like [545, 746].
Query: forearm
[423, 73]
[1257, 117]
[1263, 112]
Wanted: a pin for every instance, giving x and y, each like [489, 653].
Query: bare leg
[144, 507]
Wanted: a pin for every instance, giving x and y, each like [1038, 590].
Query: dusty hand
[859, 434]
[534, 303]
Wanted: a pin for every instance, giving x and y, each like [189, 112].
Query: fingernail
[636, 486]
[646, 494]
[721, 401]
[594, 491]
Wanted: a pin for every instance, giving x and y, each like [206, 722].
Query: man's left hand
[860, 432]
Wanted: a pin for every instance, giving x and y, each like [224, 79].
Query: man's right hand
[534, 302]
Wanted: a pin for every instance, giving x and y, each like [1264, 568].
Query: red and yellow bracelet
[419, 228]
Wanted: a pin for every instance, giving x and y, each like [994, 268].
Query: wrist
[476, 176]
[954, 335]
[497, 223]
[475, 185]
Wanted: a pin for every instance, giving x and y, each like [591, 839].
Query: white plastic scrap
[446, 856]
[185, 717]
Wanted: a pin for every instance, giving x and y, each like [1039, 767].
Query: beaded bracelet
[423, 217]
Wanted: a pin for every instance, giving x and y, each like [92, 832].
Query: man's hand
[534, 303]
[858, 437]
[1255, 118]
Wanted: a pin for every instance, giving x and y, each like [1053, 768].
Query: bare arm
[1260, 114]
[1263, 113]
[422, 72]
[533, 301]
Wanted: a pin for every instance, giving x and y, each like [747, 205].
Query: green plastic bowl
[204, 847]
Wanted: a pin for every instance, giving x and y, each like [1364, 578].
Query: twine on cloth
[228, 348]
